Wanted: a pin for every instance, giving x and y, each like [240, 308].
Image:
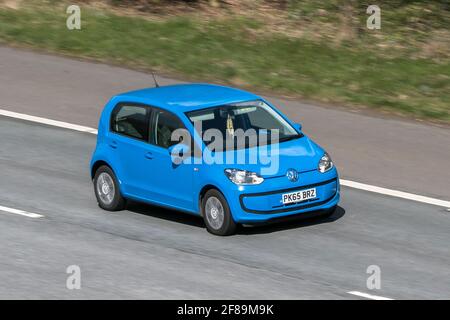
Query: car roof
[187, 97]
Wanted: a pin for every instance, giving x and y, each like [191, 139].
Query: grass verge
[234, 51]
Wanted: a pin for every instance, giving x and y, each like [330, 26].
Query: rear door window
[131, 121]
[164, 123]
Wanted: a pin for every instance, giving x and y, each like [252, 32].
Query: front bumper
[265, 205]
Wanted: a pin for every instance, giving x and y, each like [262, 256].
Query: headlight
[243, 177]
[325, 163]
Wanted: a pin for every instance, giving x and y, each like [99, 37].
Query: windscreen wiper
[289, 138]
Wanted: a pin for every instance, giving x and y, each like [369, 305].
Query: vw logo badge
[292, 175]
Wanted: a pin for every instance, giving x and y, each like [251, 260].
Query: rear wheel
[107, 190]
[217, 215]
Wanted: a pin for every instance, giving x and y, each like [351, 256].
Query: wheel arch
[97, 164]
[202, 193]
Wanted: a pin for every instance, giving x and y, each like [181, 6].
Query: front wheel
[107, 190]
[217, 215]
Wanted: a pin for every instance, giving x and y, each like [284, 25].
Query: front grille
[292, 206]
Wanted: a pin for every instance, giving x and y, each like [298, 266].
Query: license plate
[298, 196]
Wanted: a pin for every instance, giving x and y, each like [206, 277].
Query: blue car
[224, 154]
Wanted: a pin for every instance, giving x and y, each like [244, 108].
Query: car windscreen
[241, 125]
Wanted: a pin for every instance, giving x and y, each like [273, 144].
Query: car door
[129, 145]
[172, 182]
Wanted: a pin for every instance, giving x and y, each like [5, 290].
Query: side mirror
[178, 153]
[298, 126]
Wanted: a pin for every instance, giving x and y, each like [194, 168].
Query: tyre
[107, 190]
[217, 214]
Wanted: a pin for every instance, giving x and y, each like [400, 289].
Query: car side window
[132, 121]
[164, 123]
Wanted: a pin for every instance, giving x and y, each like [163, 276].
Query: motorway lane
[148, 252]
[401, 155]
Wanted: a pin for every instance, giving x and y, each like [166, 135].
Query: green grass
[233, 51]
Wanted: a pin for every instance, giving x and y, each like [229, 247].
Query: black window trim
[152, 110]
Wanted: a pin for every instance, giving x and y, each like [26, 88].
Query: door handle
[113, 144]
[149, 155]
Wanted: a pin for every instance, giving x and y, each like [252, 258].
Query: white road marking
[21, 212]
[368, 296]
[395, 193]
[347, 183]
[49, 122]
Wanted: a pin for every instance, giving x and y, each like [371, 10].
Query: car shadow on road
[195, 221]
[164, 213]
[292, 223]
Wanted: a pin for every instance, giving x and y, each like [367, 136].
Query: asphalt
[391, 153]
[146, 252]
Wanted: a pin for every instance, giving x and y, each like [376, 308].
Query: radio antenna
[154, 79]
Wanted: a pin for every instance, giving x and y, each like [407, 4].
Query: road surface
[146, 252]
